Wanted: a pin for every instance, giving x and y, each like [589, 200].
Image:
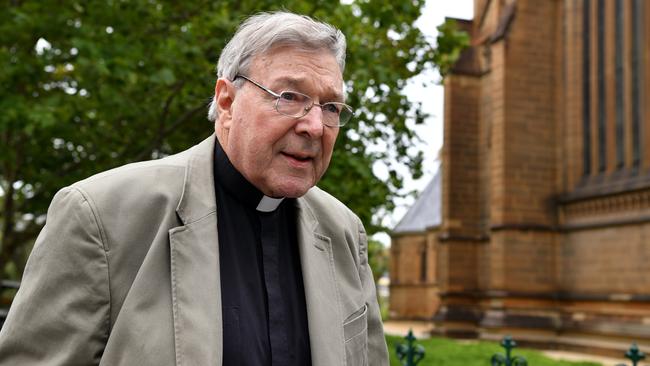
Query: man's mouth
[299, 157]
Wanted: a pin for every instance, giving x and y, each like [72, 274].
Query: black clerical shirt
[262, 293]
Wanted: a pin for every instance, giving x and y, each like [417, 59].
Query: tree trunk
[7, 245]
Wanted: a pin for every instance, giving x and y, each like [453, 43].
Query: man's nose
[311, 124]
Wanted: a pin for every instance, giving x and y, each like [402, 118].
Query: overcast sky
[431, 96]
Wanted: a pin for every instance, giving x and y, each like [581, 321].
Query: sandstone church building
[540, 227]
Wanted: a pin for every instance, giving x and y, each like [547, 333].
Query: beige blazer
[126, 272]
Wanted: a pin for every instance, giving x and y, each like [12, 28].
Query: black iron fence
[411, 353]
[507, 359]
[633, 354]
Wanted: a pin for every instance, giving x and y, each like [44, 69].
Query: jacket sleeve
[377, 350]
[61, 313]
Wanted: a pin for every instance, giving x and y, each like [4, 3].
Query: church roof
[425, 212]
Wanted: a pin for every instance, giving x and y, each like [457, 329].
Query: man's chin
[292, 193]
[291, 189]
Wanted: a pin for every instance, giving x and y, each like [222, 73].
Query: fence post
[634, 355]
[409, 354]
[507, 360]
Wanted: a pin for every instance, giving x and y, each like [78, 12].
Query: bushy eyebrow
[296, 83]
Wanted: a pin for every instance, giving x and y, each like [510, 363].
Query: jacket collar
[198, 197]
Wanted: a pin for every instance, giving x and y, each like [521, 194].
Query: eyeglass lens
[297, 105]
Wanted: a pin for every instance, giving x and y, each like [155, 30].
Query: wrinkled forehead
[299, 46]
[330, 92]
[300, 69]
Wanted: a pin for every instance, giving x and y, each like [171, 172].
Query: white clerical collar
[269, 204]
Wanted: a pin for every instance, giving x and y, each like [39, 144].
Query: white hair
[264, 31]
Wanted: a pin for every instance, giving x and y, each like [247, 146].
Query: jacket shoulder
[154, 177]
[152, 173]
[132, 202]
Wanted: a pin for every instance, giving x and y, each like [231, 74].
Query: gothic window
[423, 263]
[620, 79]
[637, 33]
[601, 87]
[612, 85]
[586, 88]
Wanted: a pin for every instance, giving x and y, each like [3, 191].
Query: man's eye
[332, 108]
[292, 97]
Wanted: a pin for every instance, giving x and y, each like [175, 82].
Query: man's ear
[224, 92]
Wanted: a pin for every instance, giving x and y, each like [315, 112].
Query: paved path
[422, 330]
[573, 356]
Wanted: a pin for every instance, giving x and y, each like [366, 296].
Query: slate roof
[426, 210]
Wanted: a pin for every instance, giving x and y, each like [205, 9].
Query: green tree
[377, 258]
[88, 86]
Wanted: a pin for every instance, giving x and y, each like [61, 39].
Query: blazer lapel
[194, 248]
[321, 291]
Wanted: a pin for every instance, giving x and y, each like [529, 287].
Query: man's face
[282, 156]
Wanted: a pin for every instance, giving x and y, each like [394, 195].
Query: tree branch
[167, 131]
[168, 103]
[8, 209]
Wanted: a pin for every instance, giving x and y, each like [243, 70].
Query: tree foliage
[88, 86]
[377, 258]
[451, 41]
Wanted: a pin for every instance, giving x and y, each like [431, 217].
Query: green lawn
[441, 351]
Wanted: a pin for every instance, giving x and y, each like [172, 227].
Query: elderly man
[225, 254]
